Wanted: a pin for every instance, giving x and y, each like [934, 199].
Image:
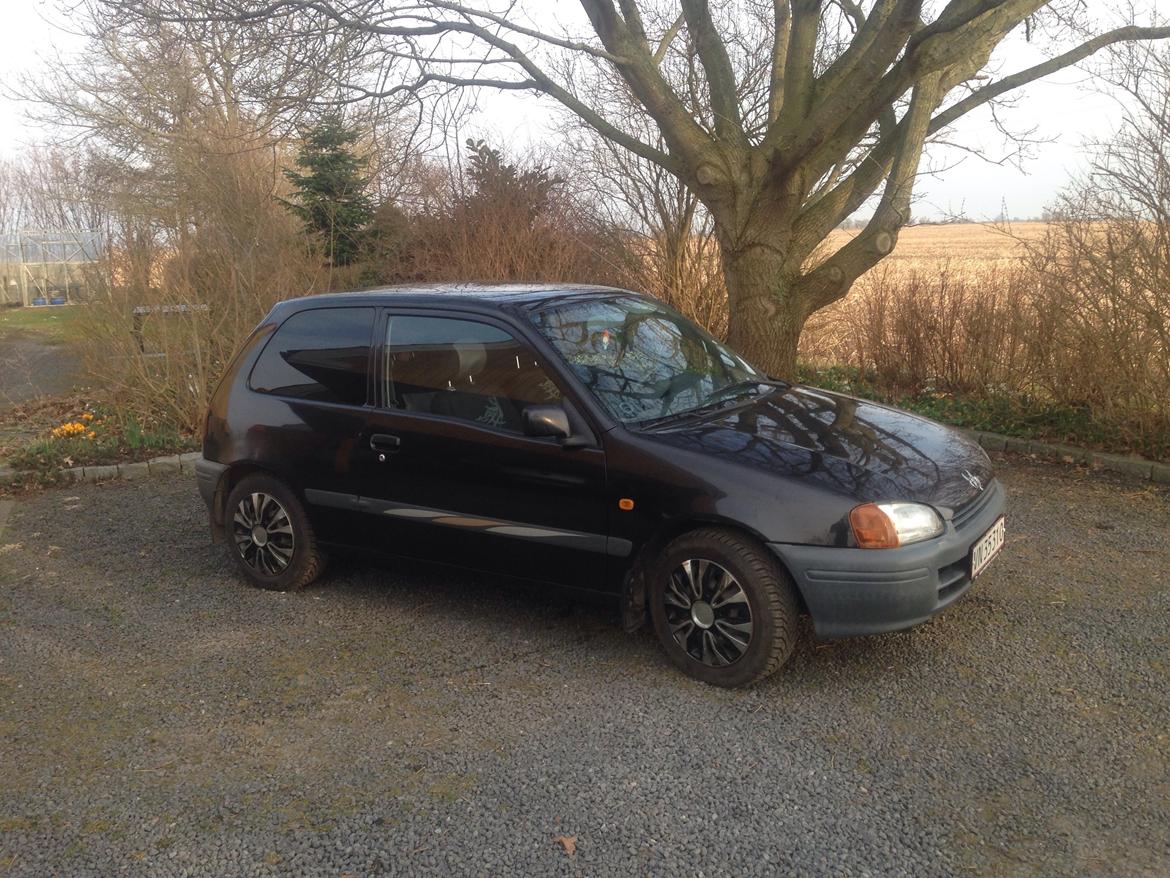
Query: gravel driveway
[157, 717]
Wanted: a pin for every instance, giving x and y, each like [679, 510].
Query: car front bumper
[852, 591]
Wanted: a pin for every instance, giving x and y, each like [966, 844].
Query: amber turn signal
[625, 504]
[872, 528]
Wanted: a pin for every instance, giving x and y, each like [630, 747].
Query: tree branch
[825, 213]
[782, 22]
[831, 280]
[717, 65]
[840, 121]
[668, 38]
[502, 21]
[633, 17]
[683, 135]
[990, 92]
[799, 60]
[877, 43]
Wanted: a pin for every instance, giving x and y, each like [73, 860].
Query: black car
[596, 440]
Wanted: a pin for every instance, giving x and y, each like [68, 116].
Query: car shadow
[440, 595]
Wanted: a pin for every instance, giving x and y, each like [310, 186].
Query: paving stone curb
[171, 463]
[1140, 467]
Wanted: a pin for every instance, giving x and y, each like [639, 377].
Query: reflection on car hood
[862, 449]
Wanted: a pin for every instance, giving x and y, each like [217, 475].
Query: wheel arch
[232, 476]
[635, 610]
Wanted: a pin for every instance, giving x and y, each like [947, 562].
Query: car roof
[447, 294]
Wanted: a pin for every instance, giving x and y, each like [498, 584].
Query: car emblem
[973, 480]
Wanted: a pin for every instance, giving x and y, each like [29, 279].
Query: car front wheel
[724, 609]
[270, 536]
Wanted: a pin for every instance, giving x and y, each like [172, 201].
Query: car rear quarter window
[462, 369]
[321, 355]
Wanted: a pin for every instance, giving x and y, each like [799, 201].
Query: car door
[450, 475]
[313, 386]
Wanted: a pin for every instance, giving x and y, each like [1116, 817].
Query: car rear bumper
[207, 476]
[858, 591]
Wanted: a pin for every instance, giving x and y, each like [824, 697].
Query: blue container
[39, 300]
[57, 300]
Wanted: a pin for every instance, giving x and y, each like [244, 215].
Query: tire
[740, 584]
[285, 559]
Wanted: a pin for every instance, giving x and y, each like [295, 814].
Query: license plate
[987, 547]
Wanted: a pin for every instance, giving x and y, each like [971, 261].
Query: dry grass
[976, 246]
[1071, 318]
[908, 319]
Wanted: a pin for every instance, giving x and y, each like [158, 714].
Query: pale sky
[1064, 108]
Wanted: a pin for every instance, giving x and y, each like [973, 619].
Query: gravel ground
[158, 718]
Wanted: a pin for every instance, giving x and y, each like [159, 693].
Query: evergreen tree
[503, 186]
[330, 191]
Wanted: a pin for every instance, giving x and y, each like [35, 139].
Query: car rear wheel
[270, 536]
[723, 608]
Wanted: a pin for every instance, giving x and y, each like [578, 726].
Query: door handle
[385, 442]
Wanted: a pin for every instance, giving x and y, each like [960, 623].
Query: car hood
[867, 451]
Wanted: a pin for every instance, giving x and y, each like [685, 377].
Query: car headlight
[889, 525]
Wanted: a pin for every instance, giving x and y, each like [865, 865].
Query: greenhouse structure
[47, 267]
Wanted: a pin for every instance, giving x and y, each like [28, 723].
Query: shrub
[205, 289]
[1046, 348]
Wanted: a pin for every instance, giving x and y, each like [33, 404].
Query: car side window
[462, 369]
[321, 355]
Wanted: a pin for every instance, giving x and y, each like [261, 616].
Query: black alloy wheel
[263, 533]
[708, 612]
[723, 607]
[271, 537]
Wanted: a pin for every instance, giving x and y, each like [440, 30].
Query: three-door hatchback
[595, 440]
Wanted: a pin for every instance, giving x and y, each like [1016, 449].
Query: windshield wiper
[738, 388]
[714, 402]
[650, 423]
[734, 389]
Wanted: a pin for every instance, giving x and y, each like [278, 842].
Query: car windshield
[643, 360]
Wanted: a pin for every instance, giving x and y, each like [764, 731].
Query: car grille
[964, 516]
[953, 578]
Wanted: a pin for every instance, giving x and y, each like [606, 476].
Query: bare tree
[661, 224]
[1104, 267]
[11, 197]
[54, 188]
[170, 141]
[783, 117]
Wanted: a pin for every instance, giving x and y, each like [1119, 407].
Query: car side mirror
[546, 420]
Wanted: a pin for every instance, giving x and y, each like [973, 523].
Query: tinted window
[462, 369]
[322, 355]
[643, 360]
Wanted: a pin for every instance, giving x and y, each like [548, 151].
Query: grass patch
[17, 824]
[50, 323]
[1023, 417]
[449, 788]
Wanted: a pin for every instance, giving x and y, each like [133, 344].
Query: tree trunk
[765, 316]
